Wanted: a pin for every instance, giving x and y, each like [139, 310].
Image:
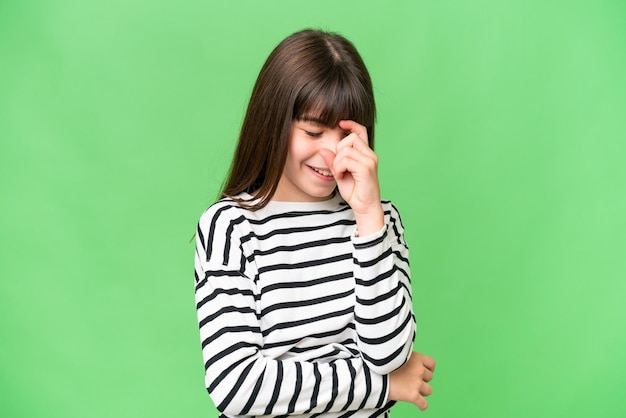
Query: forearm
[242, 381]
[263, 386]
[384, 316]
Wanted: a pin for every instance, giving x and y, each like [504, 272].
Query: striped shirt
[298, 315]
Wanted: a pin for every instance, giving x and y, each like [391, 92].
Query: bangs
[338, 97]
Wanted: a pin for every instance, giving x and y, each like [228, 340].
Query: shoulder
[222, 219]
[219, 229]
[225, 210]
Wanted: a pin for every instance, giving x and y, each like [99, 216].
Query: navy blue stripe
[226, 310]
[383, 339]
[221, 407]
[287, 231]
[308, 283]
[385, 360]
[293, 248]
[378, 259]
[294, 398]
[277, 386]
[200, 237]
[297, 214]
[371, 243]
[216, 273]
[377, 279]
[230, 350]
[310, 336]
[228, 330]
[368, 386]
[379, 298]
[305, 264]
[292, 324]
[220, 377]
[227, 238]
[219, 291]
[316, 388]
[383, 318]
[352, 379]
[254, 394]
[307, 302]
[211, 234]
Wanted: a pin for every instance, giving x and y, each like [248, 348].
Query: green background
[502, 140]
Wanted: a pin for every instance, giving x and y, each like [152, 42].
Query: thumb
[329, 158]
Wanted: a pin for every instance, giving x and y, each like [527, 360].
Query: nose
[332, 138]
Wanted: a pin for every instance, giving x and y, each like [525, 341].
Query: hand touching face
[354, 166]
[322, 158]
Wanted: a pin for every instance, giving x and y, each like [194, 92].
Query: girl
[302, 273]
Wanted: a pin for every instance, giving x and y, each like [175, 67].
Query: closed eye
[313, 134]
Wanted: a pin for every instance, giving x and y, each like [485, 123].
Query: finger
[427, 376]
[429, 362]
[356, 142]
[355, 148]
[369, 161]
[354, 166]
[421, 403]
[426, 389]
[356, 128]
[353, 126]
[330, 158]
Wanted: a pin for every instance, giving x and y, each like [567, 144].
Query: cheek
[299, 151]
[293, 161]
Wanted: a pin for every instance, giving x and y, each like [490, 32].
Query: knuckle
[420, 370]
[427, 390]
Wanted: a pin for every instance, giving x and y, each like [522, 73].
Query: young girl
[302, 273]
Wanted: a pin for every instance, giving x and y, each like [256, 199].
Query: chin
[323, 195]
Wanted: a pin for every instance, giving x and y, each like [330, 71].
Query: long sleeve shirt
[299, 316]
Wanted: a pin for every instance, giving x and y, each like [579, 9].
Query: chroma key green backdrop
[502, 140]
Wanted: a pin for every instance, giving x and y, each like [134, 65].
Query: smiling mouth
[321, 171]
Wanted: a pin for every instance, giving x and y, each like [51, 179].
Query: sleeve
[239, 379]
[385, 322]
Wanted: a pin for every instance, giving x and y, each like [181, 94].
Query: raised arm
[384, 315]
[385, 322]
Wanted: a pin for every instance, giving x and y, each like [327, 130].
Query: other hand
[410, 382]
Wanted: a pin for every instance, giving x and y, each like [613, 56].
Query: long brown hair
[310, 73]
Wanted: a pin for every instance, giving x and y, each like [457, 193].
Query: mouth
[322, 172]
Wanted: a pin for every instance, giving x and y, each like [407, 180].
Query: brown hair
[310, 73]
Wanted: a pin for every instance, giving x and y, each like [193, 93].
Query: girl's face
[306, 176]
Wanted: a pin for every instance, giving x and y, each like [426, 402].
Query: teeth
[323, 172]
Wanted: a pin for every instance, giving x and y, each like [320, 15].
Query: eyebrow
[312, 119]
